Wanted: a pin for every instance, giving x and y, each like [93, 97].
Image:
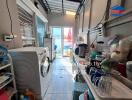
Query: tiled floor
[61, 83]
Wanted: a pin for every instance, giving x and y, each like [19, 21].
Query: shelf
[119, 90]
[6, 83]
[7, 77]
[5, 66]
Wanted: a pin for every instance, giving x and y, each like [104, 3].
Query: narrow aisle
[61, 84]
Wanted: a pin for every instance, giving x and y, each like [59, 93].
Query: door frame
[62, 35]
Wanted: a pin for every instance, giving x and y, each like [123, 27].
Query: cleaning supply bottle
[30, 94]
[22, 97]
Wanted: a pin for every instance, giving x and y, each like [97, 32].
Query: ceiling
[61, 6]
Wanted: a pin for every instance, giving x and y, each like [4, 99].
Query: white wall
[97, 10]
[5, 26]
[61, 20]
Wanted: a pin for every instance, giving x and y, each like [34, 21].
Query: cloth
[3, 95]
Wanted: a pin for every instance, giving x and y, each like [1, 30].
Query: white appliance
[31, 65]
[50, 43]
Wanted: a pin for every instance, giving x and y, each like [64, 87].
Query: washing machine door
[45, 67]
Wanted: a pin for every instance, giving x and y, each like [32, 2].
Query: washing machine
[31, 66]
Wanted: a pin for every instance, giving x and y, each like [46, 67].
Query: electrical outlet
[8, 38]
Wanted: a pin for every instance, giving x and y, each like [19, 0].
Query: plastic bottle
[30, 94]
[21, 97]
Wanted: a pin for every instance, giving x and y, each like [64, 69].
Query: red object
[85, 95]
[117, 11]
[3, 95]
[30, 94]
[122, 69]
[69, 37]
[82, 62]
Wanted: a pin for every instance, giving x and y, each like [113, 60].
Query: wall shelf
[8, 81]
[5, 66]
[119, 90]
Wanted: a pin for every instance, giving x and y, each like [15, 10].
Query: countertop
[119, 90]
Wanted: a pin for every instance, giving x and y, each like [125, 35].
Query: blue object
[77, 51]
[119, 10]
[96, 81]
[92, 70]
[90, 95]
[117, 7]
[99, 73]
[55, 47]
[117, 15]
[95, 77]
[3, 53]
[26, 98]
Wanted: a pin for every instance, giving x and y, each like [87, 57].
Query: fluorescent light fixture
[70, 13]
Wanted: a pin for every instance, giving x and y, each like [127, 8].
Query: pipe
[62, 7]
[79, 8]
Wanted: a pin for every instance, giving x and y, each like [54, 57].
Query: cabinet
[50, 43]
[7, 79]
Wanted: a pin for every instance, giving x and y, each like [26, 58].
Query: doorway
[63, 40]
[57, 35]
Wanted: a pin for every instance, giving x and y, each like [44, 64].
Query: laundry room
[65, 50]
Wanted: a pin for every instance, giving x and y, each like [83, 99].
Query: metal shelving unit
[6, 83]
[5, 66]
[11, 90]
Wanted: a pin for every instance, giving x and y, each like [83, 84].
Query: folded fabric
[3, 95]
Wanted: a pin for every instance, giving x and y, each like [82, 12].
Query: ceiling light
[70, 13]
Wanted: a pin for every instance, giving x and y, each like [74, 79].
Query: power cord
[10, 18]
[10, 22]
[101, 19]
